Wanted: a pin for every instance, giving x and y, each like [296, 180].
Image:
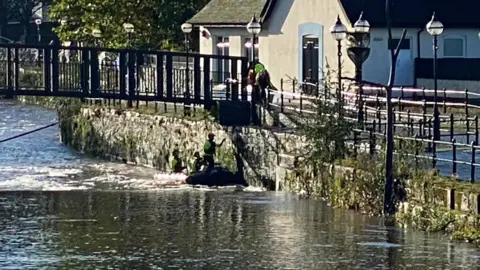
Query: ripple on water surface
[185, 227]
[192, 229]
[40, 162]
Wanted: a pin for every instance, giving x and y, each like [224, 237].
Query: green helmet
[259, 68]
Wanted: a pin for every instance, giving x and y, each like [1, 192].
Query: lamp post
[38, 22]
[254, 28]
[97, 34]
[339, 33]
[129, 29]
[435, 28]
[187, 29]
[358, 52]
[222, 74]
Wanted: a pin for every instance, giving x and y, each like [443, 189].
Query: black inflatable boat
[217, 176]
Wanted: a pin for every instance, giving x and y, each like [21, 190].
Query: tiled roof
[416, 13]
[232, 12]
[405, 13]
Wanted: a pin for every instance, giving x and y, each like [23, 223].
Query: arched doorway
[310, 52]
[310, 68]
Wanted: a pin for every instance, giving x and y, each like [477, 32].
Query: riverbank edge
[426, 202]
[428, 207]
[440, 204]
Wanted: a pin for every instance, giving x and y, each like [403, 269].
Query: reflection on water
[120, 228]
[206, 230]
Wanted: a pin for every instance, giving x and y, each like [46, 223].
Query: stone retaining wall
[149, 140]
[140, 138]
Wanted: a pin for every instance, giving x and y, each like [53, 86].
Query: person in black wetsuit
[177, 163]
[197, 163]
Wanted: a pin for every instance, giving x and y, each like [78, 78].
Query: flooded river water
[60, 210]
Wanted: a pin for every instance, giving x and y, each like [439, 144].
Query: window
[223, 65]
[248, 49]
[453, 47]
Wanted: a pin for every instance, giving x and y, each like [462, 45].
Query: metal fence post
[472, 163]
[466, 102]
[444, 100]
[416, 151]
[301, 102]
[371, 141]
[424, 110]
[131, 78]
[429, 134]
[402, 97]
[379, 118]
[281, 100]
[410, 130]
[454, 157]
[16, 71]
[475, 119]
[434, 153]
[452, 119]
[10, 73]
[394, 121]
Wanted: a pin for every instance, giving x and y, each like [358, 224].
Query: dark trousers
[210, 161]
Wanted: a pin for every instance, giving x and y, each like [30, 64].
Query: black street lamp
[435, 28]
[129, 29]
[339, 33]
[97, 34]
[254, 28]
[187, 29]
[38, 22]
[358, 52]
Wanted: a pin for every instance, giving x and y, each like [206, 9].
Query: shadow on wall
[279, 16]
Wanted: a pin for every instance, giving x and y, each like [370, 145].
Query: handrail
[370, 98]
[402, 89]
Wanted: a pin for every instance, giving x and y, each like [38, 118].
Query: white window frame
[461, 37]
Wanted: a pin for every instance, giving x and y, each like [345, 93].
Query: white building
[288, 26]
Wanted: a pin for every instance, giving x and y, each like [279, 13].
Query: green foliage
[326, 133]
[157, 22]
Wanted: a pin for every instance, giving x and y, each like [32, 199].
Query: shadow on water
[206, 230]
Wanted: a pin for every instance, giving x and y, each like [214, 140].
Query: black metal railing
[121, 74]
[454, 153]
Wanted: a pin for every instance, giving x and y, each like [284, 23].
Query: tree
[157, 22]
[389, 204]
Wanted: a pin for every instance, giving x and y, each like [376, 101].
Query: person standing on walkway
[209, 149]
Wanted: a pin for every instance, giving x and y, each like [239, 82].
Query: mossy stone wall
[140, 138]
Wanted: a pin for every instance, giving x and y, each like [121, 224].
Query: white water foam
[33, 183]
[116, 176]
